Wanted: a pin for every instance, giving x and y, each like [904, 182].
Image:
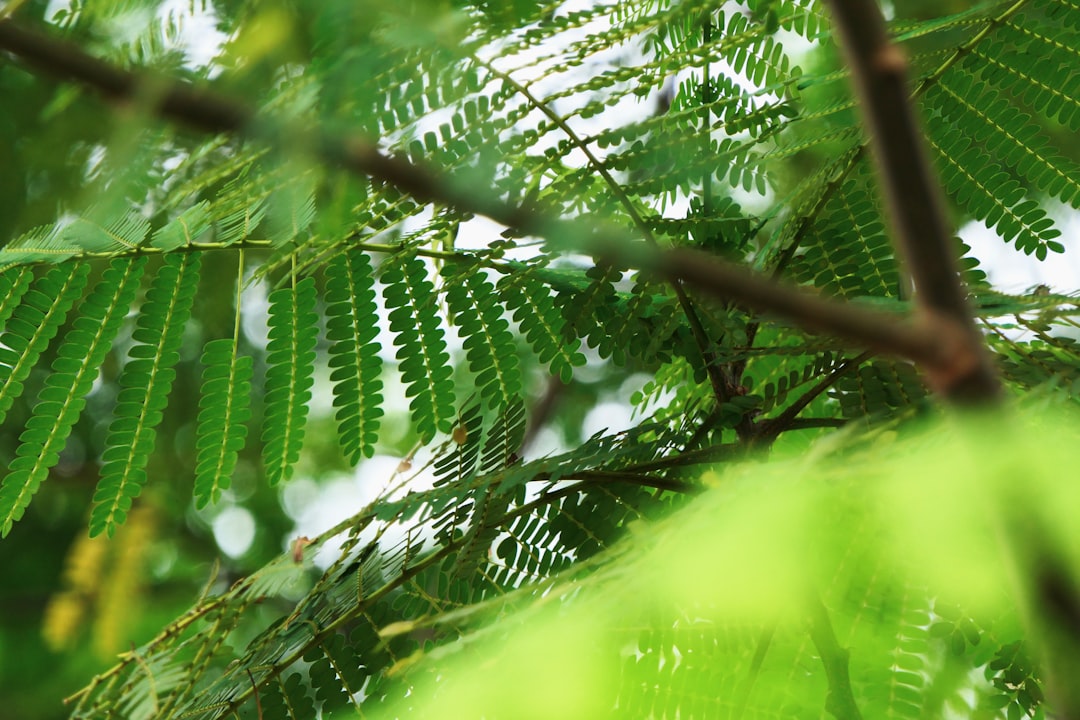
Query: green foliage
[781, 540]
[354, 358]
[291, 360]
[424, 362]
[62, 399]
[489, 346]
[33, 324]
[145, 381]
[533, 307]
[223, 416]
[627, 573]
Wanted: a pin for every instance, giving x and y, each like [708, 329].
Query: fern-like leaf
[101, 231]
[13, 285]
[185, 229]
[291, 363]
[63, 398]
[287, 698]
[223, 414]
[355, 364]
[459, 462]
[146, 380]
[536, 314]
[291, 210]
[503, 440]
[33, 324]
[489, 346]
[337, 674]
[425, 364]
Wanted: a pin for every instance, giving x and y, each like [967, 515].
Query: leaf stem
[239, 294]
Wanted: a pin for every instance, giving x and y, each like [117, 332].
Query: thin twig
[255, 692]
[625, 476]
[691, 458]
[771, 428]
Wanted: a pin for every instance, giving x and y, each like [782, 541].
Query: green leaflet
[504, 438]
[100, 230]
[1008, 136]
[287, 698]
[42, 244]
[33, 324]
[238, 224]
[290, 359]
[463, 450]
[62, 399]
[425, 364]
[878, 387]
[489, 346]
[14, 283]
[146, 381]
[541, 323]
[590, 312]
[352, 330]
[184, 229]
[291, 210]
[847, 252]
[337, 672]
[220, 625]
[488, 509]
[978, 183]
[223, 414]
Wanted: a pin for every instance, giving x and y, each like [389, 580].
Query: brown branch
[764, 641]
[770, 429]
[623, 476]
[541, 412]
[879, 70]
[876, 330]
[201, 109]
[915, 205]
[940, 344]
[691, 458]
[813, 423]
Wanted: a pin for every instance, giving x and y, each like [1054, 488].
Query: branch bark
[770, 429]
[916, 209]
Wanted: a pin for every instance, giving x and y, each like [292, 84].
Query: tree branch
[624, 476]
[770, 429]
[940, 344]
[819, 422]
[915, 206]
